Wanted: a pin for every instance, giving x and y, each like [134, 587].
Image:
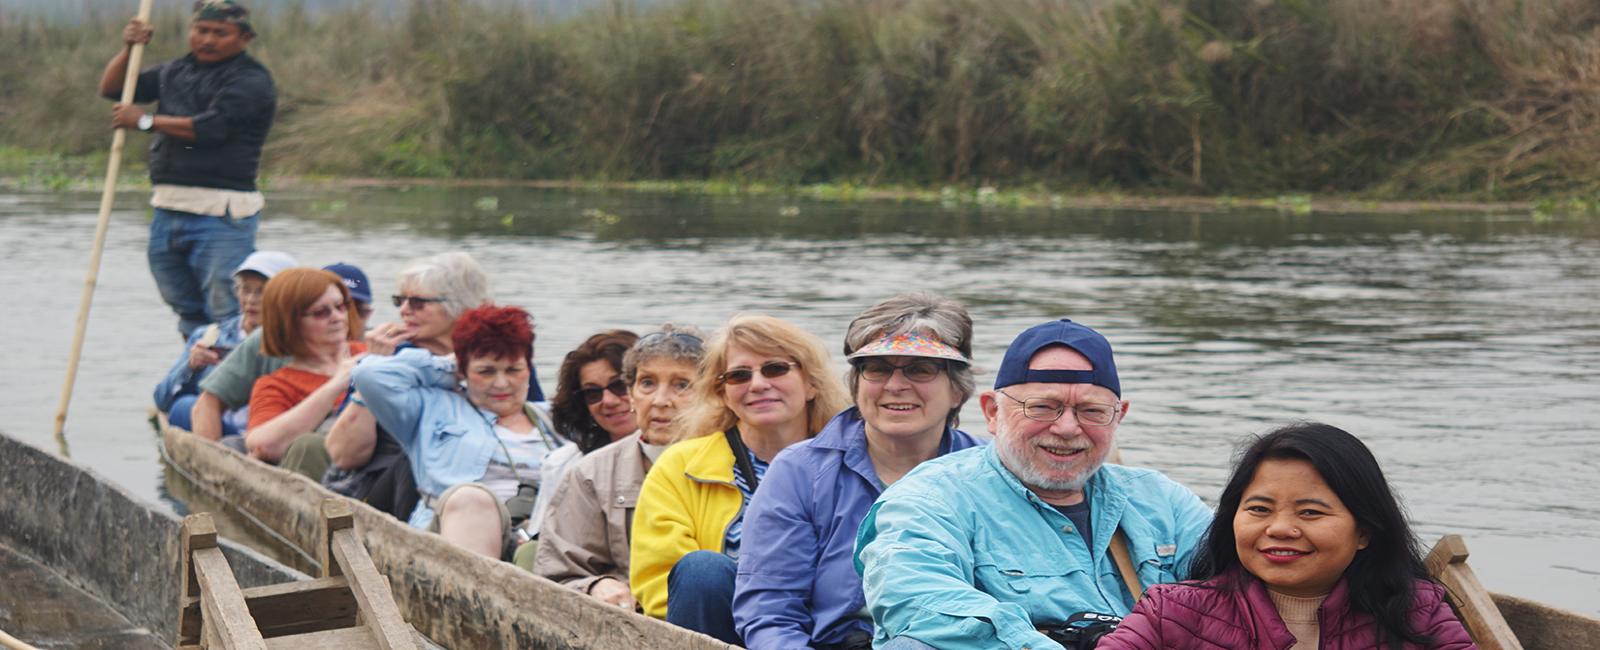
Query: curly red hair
[491, 331]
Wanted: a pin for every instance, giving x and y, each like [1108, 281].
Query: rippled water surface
[1465, 349]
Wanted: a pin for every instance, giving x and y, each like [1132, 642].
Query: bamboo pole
[129, 82]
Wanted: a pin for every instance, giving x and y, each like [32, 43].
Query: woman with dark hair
[309, 316]
[1309, 549]
[475, 444]
[591, 406]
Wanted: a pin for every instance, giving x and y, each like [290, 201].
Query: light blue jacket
[447, 440]
[958, 554]
[181, 379]
[799, 587]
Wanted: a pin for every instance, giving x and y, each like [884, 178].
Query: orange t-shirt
[285, 387]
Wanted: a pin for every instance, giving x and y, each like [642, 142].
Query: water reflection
[1464, 348]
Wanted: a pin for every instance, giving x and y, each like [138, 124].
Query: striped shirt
[736, 527]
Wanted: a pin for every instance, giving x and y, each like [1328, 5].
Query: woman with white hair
[433, 293]
[910, 372]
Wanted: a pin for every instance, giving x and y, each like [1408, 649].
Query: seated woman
[591, 407]
[584, 541]
[910, 372]
[763, 385]
[176, 394]
[308, 316]
[474, 442]
[1309, 549]
[433, 292]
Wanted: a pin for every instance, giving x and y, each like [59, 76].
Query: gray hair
[922, 313]
[671, 342]
[455, 277]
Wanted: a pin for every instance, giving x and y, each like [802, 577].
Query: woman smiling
[763, 385]
[1309, 549]
[910, 372]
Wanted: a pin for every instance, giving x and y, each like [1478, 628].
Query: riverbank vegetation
[1465, 99]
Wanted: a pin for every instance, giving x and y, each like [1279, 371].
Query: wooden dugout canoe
[456, 598]
[85, 564]
[494, 604]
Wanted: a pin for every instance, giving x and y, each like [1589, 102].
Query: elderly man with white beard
[987, 547]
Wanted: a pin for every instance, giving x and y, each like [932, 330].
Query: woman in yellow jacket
[763, 385]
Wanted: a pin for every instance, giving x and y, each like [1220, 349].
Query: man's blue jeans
[700, 594]
[192, 257]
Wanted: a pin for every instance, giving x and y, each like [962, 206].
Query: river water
[1464, 349]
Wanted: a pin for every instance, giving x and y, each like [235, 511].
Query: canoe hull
[456, 598]
[103, 540]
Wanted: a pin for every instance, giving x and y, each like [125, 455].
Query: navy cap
[354, 280]
[1089, 343]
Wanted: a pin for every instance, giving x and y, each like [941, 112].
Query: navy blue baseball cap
[1089, 343]
[354, 280]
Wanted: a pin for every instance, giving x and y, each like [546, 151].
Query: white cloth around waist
[207, 201]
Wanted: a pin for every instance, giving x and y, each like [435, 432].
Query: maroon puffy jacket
[1202, 616]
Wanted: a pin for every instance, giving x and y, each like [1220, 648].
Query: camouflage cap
[226, 11]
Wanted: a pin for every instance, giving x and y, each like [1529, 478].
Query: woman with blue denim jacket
[910, 372]
[475, 444]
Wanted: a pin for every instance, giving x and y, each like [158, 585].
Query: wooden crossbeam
[1447, 563]
[373, 597]
[349, 607]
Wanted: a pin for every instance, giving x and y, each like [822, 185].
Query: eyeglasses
[417, 302]
[1044, 409]
[878, 370]
[594, 394]
[770, 370]
[325, 311]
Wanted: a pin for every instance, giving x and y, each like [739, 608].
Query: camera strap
[741, 457]
[1124, 562]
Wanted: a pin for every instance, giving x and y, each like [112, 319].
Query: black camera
[1082, 630]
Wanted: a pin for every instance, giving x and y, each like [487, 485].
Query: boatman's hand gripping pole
[109, 192]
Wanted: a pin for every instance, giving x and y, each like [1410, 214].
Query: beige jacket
[586, 530]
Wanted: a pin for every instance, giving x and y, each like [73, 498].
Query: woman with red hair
[309, 316]
[476, 445]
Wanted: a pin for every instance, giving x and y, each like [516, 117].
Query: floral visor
[910, 345]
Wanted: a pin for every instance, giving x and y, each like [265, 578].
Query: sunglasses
[770, 370]
[417, 302]
[878, 370]
[595, 394]
[325, 311]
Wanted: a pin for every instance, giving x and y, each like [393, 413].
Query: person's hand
[201, 355]
[383, 339]
[136, 33]
[614, 592]
[126, 116]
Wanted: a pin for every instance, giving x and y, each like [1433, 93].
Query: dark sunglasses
[770, 370]
[595, 394]
[417, 302]
[878, 370]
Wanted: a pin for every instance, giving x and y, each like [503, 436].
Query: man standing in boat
[214, 108]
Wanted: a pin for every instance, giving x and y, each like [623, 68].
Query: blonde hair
[761, 334]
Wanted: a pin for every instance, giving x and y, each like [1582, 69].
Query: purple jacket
[799, 587]
[1189, 615]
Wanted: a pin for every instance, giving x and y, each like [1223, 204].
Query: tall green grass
[1416, 98]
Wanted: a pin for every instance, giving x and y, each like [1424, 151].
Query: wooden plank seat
[349, 606]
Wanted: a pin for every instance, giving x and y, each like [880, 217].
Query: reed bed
[1483, 99]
